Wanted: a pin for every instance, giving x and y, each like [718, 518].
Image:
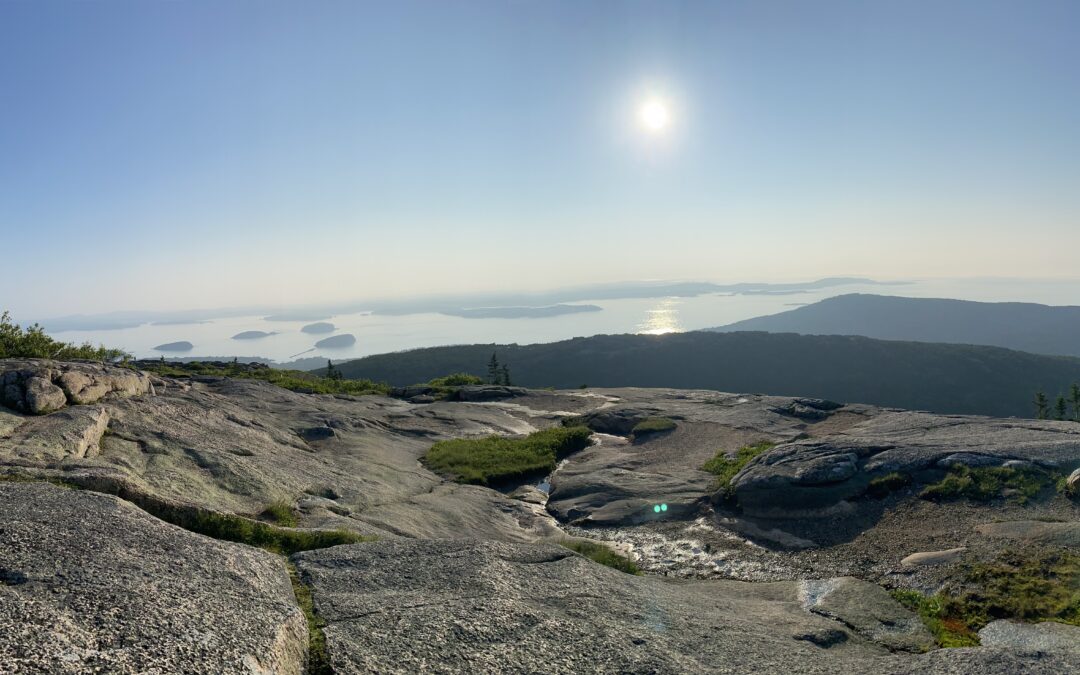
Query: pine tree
[493, 369]
[1042, 406]
[332, 373]
[1060, 409]
[504, 375]
[1074, 397]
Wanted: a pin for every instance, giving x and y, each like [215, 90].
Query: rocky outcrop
[868, 610]
[39, 386]
[91, 584]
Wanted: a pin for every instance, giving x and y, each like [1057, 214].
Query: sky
[197, 154]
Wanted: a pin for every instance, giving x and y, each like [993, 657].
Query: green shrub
[293, 380]
[984, 484]
[456, 380]
[602, 554]
[883, 486]
[725, 467]
[282, 513]
[32, 342]
[652, 425]
[498, 458]
[1072, 493]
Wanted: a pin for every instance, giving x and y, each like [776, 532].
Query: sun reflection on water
[661, 319]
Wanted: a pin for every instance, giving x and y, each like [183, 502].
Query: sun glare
[654, 115]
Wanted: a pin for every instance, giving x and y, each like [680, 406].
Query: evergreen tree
[1061, 410]
[332, 373]
[1042, 405]
[493, 369]
[1074, 396]
[504, 374]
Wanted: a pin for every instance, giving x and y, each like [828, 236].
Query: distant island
[182, 346]
[252, 335]
[519, 312]
[337, 341]
[319, 327]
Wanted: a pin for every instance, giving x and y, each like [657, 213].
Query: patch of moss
[602, 554]
[936, 614]
[725, 467]
[1017, 586]
[882, 486]
[985, 484]
[318, 658]
[483, 461]
[1072, 493]
[281, 512]
[652, 425]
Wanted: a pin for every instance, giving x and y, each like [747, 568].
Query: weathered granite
[92, 584]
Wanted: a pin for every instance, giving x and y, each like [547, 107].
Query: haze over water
[380, 333]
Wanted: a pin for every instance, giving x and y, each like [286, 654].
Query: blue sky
[169, 155]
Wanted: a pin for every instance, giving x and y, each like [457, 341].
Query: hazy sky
[197, 154]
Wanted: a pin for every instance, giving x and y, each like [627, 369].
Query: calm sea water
[377, 334]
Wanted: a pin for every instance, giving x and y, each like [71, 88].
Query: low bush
[1017, 586]
[983, 484]
[725, 467]
[602, 554]
[456, 380]
[32, 342]
[491, 459]
[293, 380]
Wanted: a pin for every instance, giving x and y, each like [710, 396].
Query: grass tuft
[602, 554]
[282, 513]
[318, 658]
[882, 486]
[492, 459]
[652, 425]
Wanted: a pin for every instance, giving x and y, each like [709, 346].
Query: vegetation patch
[456, 380]
[281, 512]
[983, 484]
[882, 486]
[482, 461]
[33, 343]
[1072, 492]
[293, 380]
[318, 658]
[652, 425]
[725, 467]
[1016, 586]
[602, 554]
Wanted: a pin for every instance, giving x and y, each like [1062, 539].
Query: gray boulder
[92, 584]
[1032, 637]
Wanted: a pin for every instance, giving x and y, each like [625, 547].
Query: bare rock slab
[1043, 637]
[92, 584]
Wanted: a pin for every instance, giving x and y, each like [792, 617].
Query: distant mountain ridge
[1029, 327]
[945, 378]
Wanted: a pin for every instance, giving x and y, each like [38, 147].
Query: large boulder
[39, 386]
[92, 584]
[1033, 637]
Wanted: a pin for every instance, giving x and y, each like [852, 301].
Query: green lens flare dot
[657, 508]
[663, 507]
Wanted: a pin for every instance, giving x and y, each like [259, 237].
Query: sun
[654, 115]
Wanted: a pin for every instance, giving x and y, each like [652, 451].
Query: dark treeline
[946, 378]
